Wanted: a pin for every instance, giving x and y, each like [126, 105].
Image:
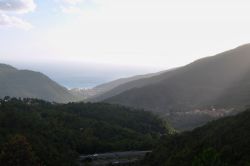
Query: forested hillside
[190, 96]
[31, 84]
[116, 87]
[55, 134]
[225, 142]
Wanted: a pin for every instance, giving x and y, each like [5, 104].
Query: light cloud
[71, 10]
[8, 7]
[11, 21]
[152, 32]
[17, 6]
[72, 2]
[75, 6]
[161, 33]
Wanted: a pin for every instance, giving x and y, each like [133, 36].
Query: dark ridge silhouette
[121, 85]
[196, 93]
[26, 83]
[225, 142]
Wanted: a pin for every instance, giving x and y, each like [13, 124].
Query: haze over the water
[80, 74]
[82, 43]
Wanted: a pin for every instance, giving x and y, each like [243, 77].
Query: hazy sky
[150, 34]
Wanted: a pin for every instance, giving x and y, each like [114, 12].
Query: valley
[116, 123]
[124, 83]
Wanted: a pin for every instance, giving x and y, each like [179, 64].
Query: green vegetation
[225, 142]
[30, 84]
[55, 134]
[220, 82]
[17, 151]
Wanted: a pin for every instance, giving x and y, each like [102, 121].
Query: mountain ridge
[108, 89]
[31, 84]
[203, 84]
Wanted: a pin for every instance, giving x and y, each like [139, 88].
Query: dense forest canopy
[225, 142]
[55, 134]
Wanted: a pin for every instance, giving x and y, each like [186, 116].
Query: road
[114, 158]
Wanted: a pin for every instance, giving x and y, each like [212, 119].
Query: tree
[209, 157]
[17, 152]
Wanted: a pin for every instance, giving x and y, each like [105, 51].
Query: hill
[26, 83]
[225, 142]
[190, 96]
[109, 89]
[58, 133]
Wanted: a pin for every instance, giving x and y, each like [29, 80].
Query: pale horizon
[129, 37]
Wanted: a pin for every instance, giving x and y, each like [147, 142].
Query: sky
[96, 41]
